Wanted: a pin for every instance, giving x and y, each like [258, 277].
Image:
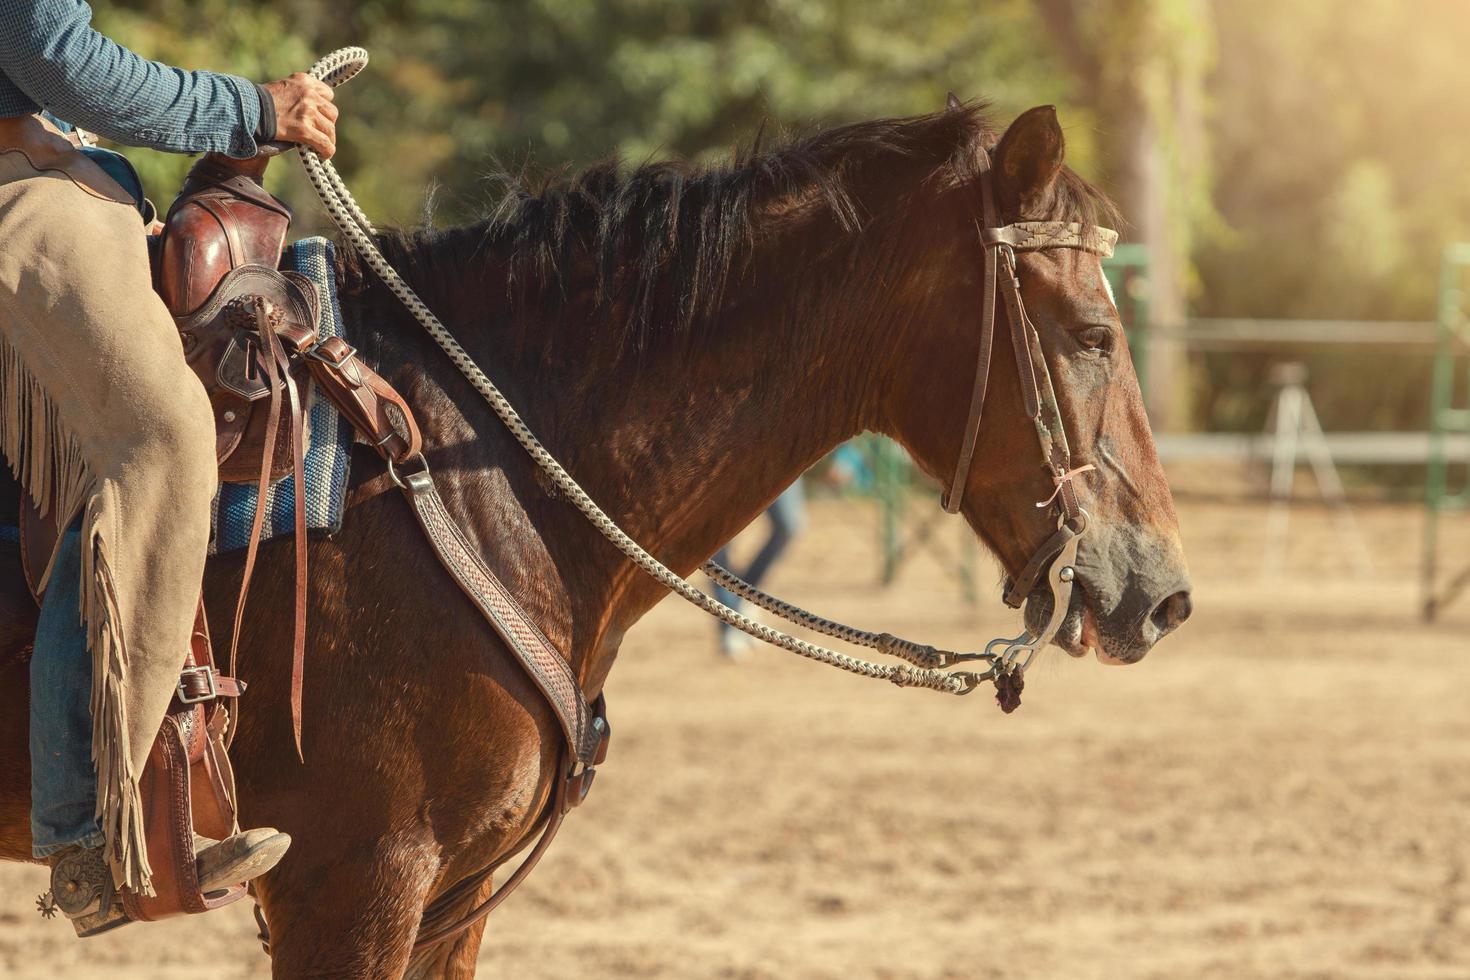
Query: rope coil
[923, 663]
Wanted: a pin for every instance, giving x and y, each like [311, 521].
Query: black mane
[665, 237]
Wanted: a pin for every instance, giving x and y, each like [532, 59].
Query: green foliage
[255, 41]
[1340, 141]
[459, 88]
[1313, 158]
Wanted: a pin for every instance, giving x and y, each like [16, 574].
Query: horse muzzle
[1123, 634]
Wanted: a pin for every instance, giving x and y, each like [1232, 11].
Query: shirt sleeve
[49, 49]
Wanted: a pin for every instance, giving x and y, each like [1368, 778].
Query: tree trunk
[1142, 191]
[1152, 150]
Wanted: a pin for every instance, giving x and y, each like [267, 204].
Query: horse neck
[684, 446]
[686, 449]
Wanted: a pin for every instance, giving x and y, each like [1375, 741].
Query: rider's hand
[305, 113]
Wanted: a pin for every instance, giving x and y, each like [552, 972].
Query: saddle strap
[375, 410]
[384, 418]
[371, 405]
[199, 684]
[298, 474]
[540, 658]
[274, 364]
[382, 415]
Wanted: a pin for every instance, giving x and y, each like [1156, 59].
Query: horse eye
[1098, 339]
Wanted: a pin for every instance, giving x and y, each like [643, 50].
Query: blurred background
[1300, 161]
[1283, 788]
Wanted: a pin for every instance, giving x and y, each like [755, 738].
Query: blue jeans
[63, 778]
[787, 515]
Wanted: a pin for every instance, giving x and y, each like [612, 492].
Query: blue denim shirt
[51, 58]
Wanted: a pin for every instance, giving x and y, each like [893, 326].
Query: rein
[923, 666]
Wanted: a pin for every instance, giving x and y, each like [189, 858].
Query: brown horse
[687, 343]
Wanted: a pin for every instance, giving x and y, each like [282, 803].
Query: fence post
[1444, 417]
[1127, 273]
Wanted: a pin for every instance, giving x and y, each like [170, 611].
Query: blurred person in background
[106, 425]
[787, 516]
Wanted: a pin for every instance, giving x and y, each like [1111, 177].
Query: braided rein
[923, 666]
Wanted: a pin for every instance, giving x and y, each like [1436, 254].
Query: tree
[1142, 65]
[460, 87]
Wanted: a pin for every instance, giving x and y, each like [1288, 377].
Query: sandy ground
[1280, 790]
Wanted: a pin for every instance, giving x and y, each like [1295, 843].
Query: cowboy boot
[82, 888]
[238, 859]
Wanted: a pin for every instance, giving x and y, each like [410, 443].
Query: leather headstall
[999, 245]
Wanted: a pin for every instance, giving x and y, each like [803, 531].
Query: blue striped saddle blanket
[329, 439]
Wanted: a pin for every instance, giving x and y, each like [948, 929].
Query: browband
[1032, 236]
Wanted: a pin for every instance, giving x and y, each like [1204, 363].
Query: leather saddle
[249, 332]
[217, 258]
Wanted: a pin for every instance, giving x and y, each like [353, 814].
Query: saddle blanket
[329, 438]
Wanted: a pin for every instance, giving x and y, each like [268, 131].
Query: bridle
[999, 245]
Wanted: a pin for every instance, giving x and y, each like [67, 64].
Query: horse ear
[953, 102]
[1029, 156]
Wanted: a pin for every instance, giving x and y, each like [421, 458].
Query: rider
[102, 419]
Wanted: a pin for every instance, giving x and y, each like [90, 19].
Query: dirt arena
[1280, 790]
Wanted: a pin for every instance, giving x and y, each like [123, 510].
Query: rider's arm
[50, 51]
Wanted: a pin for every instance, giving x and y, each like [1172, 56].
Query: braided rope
[918, 654]
[342, 65]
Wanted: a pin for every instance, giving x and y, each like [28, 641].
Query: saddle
[217, 258]
[249, 332]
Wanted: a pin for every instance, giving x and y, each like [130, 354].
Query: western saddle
[250, 332]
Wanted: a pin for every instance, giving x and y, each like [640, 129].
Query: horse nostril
[1174, 610]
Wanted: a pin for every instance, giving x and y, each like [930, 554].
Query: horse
[687, 341]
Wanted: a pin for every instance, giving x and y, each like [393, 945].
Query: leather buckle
[416, 482]
[604, 730]
[578, 786]
[211, 686]
[326, 352]
[579, 783]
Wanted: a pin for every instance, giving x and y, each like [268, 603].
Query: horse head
[1133, 587]
[689, 340]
